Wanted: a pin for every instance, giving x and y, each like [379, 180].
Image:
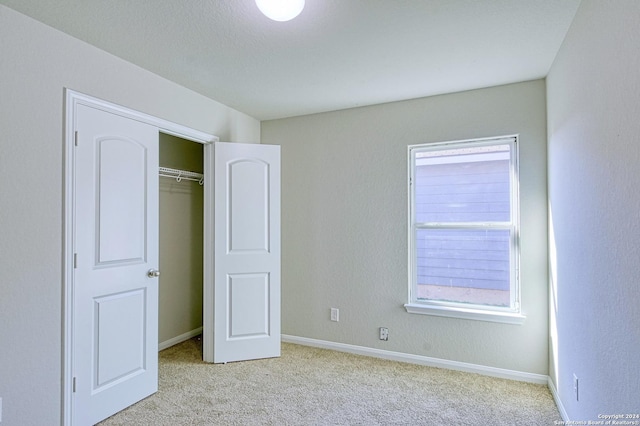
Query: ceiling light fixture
[280, 10]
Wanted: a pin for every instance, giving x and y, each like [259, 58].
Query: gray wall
[593, 94]
[181, 240]
[344, 224]
[37, 64]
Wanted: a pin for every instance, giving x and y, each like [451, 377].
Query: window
[463, 229]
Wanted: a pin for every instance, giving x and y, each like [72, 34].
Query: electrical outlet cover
[384, 333]
[335, 314]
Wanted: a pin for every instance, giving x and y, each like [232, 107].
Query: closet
[145, 222]
[181, 239]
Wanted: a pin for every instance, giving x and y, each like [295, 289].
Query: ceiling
[336, 54]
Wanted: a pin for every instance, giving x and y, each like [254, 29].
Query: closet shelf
[180, 175]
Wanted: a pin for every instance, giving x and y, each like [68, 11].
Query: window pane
[463, 185]
[467, 266]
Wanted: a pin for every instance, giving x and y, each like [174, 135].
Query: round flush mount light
[280, 10]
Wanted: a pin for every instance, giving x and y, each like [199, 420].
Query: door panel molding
[248, 227]
[251, 292]
[113, 175]
[115, 307]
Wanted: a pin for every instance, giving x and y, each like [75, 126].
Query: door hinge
[74, 385]
[75, 260]
[75, 138]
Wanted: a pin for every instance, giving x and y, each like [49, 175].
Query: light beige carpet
[310, 386]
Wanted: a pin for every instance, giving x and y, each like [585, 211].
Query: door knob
[153, 273]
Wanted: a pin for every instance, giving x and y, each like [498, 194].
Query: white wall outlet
[575, 386]
[384, 333]
[0, 410]
[335, 314]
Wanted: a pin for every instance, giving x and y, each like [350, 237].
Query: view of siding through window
[458, 192]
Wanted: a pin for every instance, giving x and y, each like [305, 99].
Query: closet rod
[179, 175]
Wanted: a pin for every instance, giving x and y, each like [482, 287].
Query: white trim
[74, 98]
[558, 401]
[502, 373]
[469, 158]
[71, 100]
[179, 339]
[208, 253]
[67, 265]
[492, 140]
[465, 313]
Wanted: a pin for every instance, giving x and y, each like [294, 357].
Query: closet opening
[181, 222]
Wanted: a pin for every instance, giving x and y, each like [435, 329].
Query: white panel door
[115, 312]
[247, 252]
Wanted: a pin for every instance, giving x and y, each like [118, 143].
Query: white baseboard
[502, 373]
[179, 339]
[556, 398]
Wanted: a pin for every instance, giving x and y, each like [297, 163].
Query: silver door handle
[153, 273]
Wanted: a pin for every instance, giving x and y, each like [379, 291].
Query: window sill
[465, 313]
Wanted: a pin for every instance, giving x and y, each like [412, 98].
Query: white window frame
[512, 314]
